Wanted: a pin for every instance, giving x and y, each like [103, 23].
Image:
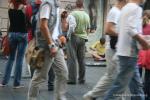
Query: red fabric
[146, 29]
[144, 55]
[5, 45]
[144, 59]
[16, 4]
[30, 37]
[28, 13]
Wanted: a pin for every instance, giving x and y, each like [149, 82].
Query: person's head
[121, 3]
[79, 3]
[146, 17]
[64, 14]
[16, 3]
[38, 2]
[102, 40]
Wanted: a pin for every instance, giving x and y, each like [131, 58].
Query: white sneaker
[17, 87]
[87, 97]
[2, 85]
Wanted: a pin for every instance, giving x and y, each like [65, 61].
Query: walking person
[144, 55]
[32, 11]
[106, 81]
[18, 41]
[129, 29]
[46, 40]
[76, 51]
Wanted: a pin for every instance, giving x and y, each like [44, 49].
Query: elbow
[107, 32]
[42, 27]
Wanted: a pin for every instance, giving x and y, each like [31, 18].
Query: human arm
[111, 22]
[145, 45]
[44, 19]
[134, 31]
[93, 46]
[72, 25]
[110, 29]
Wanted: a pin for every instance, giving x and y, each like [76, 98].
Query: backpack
[31, 13]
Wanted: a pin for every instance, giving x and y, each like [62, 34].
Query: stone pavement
[75, 92]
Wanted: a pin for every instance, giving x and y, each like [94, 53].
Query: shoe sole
[18, 87]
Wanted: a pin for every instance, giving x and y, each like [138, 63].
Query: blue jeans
[128, 75]
[18, 43]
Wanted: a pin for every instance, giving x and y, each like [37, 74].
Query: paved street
[75, 92]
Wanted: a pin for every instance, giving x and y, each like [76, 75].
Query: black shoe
[81, 81]
[94, 98]
[71, 83]
[50, 87]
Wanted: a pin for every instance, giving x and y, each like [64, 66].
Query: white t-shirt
[45, 13]
[113, 16]
[129, 26]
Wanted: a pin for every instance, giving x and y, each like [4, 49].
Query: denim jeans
[124, 78]
[18, 43]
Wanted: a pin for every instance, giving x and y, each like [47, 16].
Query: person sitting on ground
[98, 50]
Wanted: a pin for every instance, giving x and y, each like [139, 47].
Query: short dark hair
[79, 3]
[102, 39]
[64, 14]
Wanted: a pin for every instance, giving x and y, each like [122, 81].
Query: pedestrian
[111, 31]
[46, 36]
[17, 34]
[130, 24]
[144, 55]
[32, 12]
[64, 26]
[76, 51]
[92, 8]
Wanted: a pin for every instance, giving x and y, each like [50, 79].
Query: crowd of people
[60, 38]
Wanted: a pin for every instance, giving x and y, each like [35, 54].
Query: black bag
[113, 41]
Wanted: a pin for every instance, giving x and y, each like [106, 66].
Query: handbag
[34, 55]
[5, 46]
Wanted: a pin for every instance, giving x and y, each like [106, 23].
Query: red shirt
[146, 29]
[144, 55]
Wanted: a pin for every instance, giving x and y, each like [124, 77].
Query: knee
[38, 80]
[63, 74]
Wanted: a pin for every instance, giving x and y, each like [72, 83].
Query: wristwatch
[51, 46]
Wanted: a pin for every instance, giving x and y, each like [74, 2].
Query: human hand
[62, 39]
[53, 51]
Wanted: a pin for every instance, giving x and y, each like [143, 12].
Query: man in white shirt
[127, 51]
[46, 36]
[112, 31]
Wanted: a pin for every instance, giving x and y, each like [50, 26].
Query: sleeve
[94, 45]
[89, 24]
[72, 24]
[45, 11]
[133, 22]
[113, 16]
